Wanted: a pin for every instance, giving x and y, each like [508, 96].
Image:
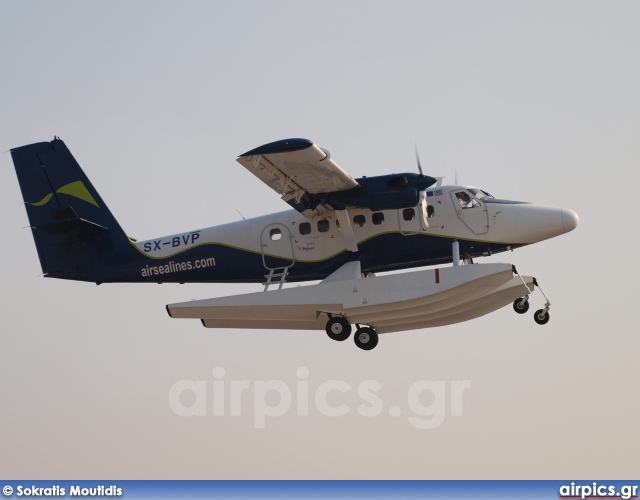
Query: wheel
[541, 317]
[520, 308]
[338, 328]
[366, 338]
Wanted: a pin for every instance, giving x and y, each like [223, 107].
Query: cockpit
[466, 200]
[481, 194]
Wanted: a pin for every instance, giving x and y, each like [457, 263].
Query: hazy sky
[535, 101]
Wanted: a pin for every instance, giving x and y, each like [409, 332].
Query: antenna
[243, 218]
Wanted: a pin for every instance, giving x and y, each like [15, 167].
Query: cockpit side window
[466, 201]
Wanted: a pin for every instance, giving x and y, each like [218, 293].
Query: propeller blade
[418, 160]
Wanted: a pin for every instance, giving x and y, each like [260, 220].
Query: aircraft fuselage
[311, 249]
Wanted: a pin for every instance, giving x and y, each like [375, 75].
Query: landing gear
[366, 338]
[338, 328]
[541, 316]
[521, 305]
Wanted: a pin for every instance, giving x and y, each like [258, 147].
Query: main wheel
[541, 317]
[338, 328]
[520, 308]
[366, 338]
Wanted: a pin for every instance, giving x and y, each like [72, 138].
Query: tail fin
[74, 231]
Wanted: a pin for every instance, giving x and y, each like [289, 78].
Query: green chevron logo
[76, 189]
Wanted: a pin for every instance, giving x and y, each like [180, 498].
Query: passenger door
[276, 243]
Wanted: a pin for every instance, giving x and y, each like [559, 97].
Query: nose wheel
[521, 305]
[541, 316]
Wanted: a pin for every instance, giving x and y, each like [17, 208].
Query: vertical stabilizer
[74, 231]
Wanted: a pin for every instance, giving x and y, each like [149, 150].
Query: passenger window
[305, 228]
[430, 211]
[377, 218]
[323, 225]
[275, 234]
[408, 214]
[359, 221]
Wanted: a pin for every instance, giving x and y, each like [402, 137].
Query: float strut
[455, 249]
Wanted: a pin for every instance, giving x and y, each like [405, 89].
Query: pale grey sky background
[534, 101]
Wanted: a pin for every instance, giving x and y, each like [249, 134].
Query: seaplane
[345, 235]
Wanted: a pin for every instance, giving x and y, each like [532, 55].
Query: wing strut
[347, 230]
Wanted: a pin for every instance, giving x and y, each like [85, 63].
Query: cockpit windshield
[480, 193]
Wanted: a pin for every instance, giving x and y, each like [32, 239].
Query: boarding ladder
[272, 277]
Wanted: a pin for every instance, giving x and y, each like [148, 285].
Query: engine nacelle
[382, 192]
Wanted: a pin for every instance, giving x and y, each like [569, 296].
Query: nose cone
[570, 220]
[529, 223]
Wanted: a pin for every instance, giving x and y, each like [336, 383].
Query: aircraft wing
[298, 170]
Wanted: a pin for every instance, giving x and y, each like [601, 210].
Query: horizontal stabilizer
[72, 225]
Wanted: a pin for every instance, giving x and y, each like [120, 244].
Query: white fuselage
[289, 235]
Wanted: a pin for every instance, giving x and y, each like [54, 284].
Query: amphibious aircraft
[340, 230]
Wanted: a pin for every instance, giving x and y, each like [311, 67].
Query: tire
[520, 308]
[338, 328]
[366, 338]
[541, 317]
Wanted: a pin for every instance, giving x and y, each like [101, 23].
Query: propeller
[418, 160]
